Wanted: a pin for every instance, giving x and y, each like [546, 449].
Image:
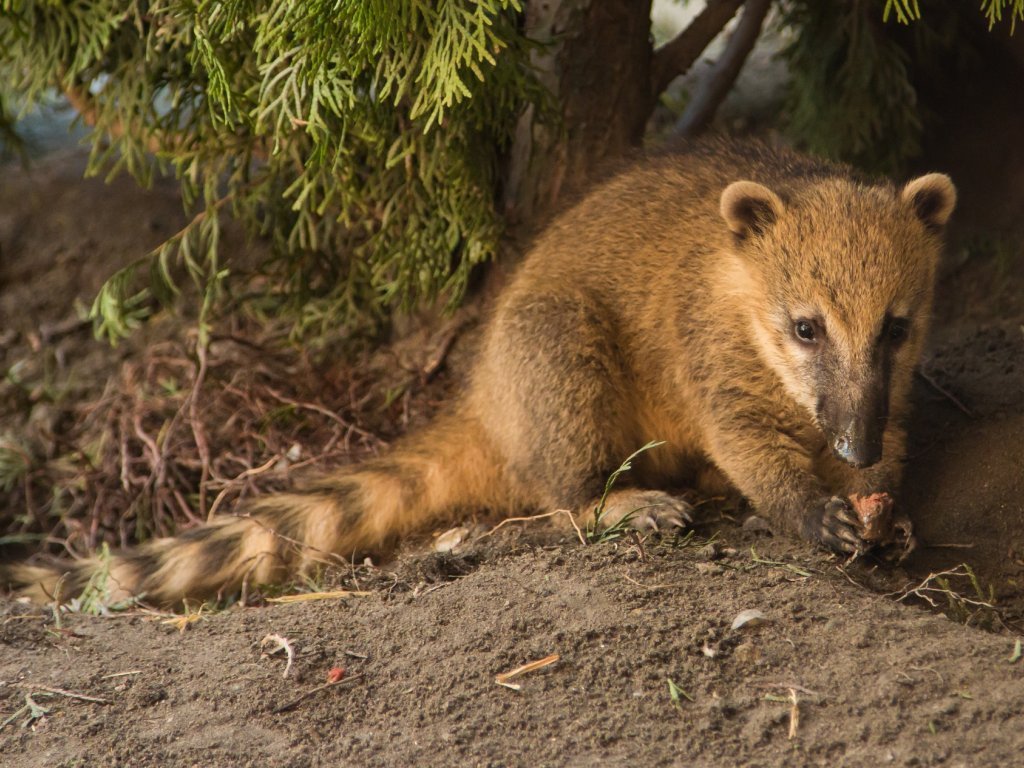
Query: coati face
[840, 278]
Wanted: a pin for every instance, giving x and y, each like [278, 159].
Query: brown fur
[662, 306]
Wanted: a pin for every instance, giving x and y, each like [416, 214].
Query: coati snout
[854, 426]
[852, 406]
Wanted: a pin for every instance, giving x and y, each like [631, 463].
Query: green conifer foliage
[855, 65]
[365, 137]
[362, 136]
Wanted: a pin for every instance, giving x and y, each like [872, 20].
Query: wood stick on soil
[787, 687]
[313, 691]
[61, 692]
[436, 360]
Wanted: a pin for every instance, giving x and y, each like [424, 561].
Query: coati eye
[806, 331]
[896, 329]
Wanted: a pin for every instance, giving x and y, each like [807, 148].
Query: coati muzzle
[857, 447]
[854, 430]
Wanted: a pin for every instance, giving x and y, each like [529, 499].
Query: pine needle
[306, 597]
[504, 677]
[794, 713]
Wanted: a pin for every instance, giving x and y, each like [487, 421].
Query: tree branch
[591, 54]
[85, 106]
[678, 55]
[712, 89]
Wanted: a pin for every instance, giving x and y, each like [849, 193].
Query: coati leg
[426, 479]
[560, 409]
[776, 473]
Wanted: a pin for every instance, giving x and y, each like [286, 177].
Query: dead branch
[309, 407]
[61, 692]
[505, 677]
[678, 55]
[713, 88]
[932, 587]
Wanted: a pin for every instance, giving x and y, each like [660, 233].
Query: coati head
[839, 278]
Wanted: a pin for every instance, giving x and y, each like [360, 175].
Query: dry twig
[61, 692]
[295, 702]
[187, 619]
[531, 518]
[279, 643]
[931, 382]
[927, 590]
[122, 674]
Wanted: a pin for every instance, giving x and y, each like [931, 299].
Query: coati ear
[750, 208]
[932, 197]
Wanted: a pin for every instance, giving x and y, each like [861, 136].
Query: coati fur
[758, 310]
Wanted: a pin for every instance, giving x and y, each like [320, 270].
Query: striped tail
[429, 478]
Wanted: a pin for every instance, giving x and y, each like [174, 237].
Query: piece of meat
[875, 514]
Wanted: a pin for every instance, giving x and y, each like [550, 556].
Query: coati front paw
[649, 510]
[834, 524]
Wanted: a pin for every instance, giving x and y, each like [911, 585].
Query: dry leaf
[748, 618]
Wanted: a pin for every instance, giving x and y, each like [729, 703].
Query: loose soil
[849, 666]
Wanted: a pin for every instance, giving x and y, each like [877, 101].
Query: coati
[758, 310]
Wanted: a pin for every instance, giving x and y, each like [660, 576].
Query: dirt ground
[848, 667]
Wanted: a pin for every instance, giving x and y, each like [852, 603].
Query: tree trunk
[596, 63]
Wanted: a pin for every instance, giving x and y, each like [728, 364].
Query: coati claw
[649, 510]
[834, 524]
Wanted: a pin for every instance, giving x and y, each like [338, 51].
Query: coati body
[759, 311]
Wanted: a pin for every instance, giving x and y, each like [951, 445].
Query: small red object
[335, 674]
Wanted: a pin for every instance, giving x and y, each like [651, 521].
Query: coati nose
[858, 453]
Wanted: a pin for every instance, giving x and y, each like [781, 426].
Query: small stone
[708, 569]
[751, 617]
[709, 551]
